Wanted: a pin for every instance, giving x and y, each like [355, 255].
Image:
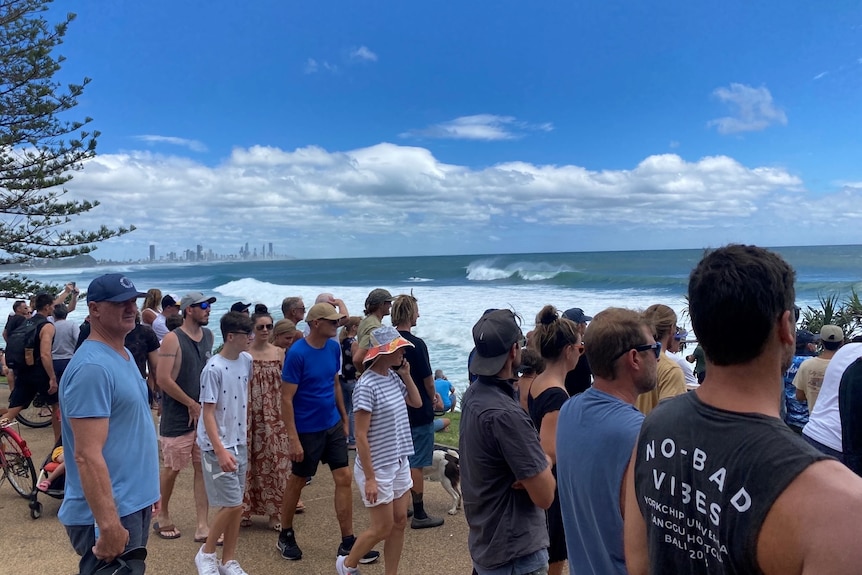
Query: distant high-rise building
[270, 249]
[152, 252]
[200, 252]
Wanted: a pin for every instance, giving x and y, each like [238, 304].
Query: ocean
[453, 291]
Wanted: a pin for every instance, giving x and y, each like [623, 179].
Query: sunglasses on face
[202, 305]
[265, 326]
[655, 346]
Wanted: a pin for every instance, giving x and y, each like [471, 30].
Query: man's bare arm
[90, 436]
[167, 369]
[813, 527]
[634, 529]
[541, 487]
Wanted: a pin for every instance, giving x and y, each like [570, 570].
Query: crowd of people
[586, 440]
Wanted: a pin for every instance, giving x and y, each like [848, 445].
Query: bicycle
[39, 414]
[16, 464]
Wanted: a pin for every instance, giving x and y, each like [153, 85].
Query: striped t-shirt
[389, 433]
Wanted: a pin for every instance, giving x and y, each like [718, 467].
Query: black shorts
[328, 446]
[28, 383]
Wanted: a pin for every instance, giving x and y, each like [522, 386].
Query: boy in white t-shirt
[221, 435]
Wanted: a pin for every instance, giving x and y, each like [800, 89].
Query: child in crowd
[60, 469]
[221, 435]
[383, 444]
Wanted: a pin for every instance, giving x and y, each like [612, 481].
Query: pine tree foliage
[40, 146]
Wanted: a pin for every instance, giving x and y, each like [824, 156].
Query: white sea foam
[489, 270]
[449, 312]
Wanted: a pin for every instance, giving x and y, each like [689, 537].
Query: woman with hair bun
[558, 342]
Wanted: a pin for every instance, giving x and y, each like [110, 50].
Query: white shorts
[393, 481]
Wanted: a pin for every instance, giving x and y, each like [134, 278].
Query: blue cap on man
[112, 287]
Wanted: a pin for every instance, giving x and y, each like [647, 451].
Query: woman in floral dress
[268, 462]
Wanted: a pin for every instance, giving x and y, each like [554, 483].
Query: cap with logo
[494, 335]
[113, 288]
[831, 333]
[194, 298]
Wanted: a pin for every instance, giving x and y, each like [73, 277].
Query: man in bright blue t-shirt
[317, 426]
[445, 390]
[112, 466]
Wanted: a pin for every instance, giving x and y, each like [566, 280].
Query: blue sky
[351, 128]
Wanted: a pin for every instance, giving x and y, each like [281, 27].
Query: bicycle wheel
[37, 415]
[17, 467]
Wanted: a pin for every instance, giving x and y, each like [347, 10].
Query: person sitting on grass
[383, 445]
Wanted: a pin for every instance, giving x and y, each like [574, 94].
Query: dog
[446, 468]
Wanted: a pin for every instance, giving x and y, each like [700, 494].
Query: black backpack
[22, 344]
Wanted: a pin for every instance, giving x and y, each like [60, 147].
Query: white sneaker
[207, 563]
[231, 568]
[343, 569]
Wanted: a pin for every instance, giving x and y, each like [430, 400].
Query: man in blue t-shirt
[112, 470]
[596, 433]
[317, 426]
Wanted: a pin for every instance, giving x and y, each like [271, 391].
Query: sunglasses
[656, 347]
[265, 326]
[202, 305]
[245, 333]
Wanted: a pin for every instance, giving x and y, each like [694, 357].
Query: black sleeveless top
[195, 354]
[705, 479]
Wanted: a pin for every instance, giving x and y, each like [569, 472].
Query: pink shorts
[178, 451]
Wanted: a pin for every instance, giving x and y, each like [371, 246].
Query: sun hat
[194, 298]
[385, 340]
[323, 311]
[113, 288]
[494, 335]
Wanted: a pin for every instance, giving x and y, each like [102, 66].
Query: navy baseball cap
[112, 287]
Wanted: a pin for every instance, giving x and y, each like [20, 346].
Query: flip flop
[300, 508]
[160, 531]
[246, 522]
[219, 543]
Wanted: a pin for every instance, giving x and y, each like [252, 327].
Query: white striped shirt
[389, 433]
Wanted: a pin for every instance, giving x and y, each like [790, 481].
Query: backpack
[21, 346]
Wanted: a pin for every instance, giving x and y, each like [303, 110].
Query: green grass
[449, 437]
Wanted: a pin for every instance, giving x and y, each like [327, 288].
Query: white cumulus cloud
[193, 145]
[302, 199]
[363, 53]
[486, 127]
[752, 109]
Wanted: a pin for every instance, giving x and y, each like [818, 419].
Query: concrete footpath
[41, 545]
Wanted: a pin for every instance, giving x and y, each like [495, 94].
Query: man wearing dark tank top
[183, 354]
[717, 482]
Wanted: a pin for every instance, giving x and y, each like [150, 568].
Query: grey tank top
[175, 415]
